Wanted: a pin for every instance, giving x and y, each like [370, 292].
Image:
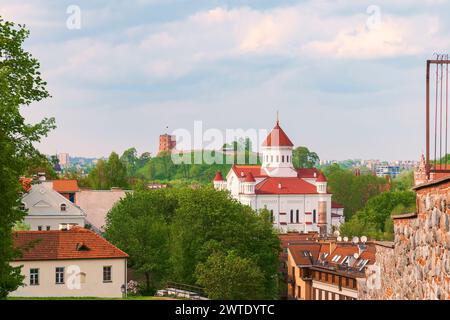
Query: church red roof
[249, 177]
[277, 138]
[281, 185]
[218, 176]
[243, 170]
[321, 178]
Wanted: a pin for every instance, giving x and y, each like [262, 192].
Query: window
[22, 206]
[59, 275]
[336, 258]
[271, 216]
[345, 259]
[63, 207]
[278, 159]
[287, 158]
[314, 216]
[107, 274]
[292, 216]
[34, 277]
[282, 158]
[297, 216]
[48, 228]
[39, 228]
[271, 158]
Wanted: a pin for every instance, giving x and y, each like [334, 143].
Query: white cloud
[394, 36]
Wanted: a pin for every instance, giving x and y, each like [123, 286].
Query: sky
[347, 77]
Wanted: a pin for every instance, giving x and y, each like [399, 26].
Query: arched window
[63, 207]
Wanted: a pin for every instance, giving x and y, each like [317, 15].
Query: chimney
[41, 176]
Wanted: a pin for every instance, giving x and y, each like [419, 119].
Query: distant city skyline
[348, 77]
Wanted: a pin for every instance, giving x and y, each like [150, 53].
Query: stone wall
[418, 265]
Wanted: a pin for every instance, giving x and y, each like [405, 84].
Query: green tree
[404, 181]
[108, 174]
[139, 225]
[352, 191]
[130, 159]
[303, 158]
[208, 221]
[116, 171]
[374, 220]
[230, 277]
[20, 85]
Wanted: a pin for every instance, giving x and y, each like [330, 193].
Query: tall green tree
[230, 277]
[108, 173]
[353, 191]
[139, 225]
[303, 158]
[208, 221]
[20, 85]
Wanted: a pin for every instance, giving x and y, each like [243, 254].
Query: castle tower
[277, 154]
[167, 143]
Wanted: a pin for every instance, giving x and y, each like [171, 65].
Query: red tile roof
[249, 177]
[307, 173]
[300, 252]
[277, 138]
[26, 183]
[280, 185]
[336, 205]
[243, 170]
[348, 249]
[63, 186]
[63, 245]
[218, 176]
[321, 178]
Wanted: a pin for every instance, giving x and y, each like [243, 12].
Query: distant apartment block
[387, 170]
[167, 143]
[64, 159]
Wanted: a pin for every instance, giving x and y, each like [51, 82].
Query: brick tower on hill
[167, 143]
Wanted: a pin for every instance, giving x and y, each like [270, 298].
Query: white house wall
[92, 287]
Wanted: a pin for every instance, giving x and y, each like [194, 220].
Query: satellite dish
[356, 256]
[345, 239]
[339, 239]
[363, 239]
[337, 233]
[355, 240]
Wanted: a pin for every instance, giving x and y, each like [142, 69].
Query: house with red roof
[297, 198]
[74, 262]
[327, 269]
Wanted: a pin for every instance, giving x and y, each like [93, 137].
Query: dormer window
[82, 247]
[63, 207]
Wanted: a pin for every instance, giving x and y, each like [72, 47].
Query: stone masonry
[417, 266]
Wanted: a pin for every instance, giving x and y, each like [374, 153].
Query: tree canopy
[196, 224]
[20, 85]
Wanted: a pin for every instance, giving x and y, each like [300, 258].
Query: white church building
[297, 198]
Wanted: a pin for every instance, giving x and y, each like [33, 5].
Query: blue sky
[346, 76]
